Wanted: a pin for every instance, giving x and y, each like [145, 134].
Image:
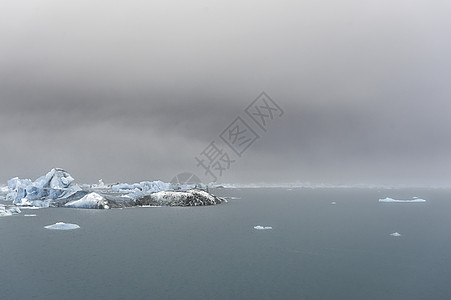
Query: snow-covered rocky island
[57, 189]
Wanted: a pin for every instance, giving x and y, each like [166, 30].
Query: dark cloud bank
[128, 92]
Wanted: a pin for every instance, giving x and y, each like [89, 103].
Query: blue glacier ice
[8, 211]
[143, 188]
[54, 185]
[3, 192]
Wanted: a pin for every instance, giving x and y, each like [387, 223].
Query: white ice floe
[91, 200]
[62, 226]
[259, 227]
[395, 234]
[333, 203]
[391, 200]
[29, 215]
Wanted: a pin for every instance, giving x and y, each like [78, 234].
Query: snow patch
[177, 198]
[62, 226]
[92, 200]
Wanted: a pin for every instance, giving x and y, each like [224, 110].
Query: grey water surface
[316, 250]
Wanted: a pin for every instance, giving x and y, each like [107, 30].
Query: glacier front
[57, 189]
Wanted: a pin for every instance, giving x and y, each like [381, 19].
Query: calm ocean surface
[315, 250]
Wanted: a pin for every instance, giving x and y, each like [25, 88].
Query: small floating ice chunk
[333, 203]
[391, 200]
[395, 234]
[14, 210]
[62, 226]
[259, 227]
[29, 215]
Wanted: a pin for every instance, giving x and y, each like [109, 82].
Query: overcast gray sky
[135, 90]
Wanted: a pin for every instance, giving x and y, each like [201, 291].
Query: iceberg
[8, 211]
[259, 227]
[55, 184]
[17, 188]
[100, 185]
[91, 200]
[143, 188]
[3, 189]
[62, 226]
[395, 234]
[391, 200]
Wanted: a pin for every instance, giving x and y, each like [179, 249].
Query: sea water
[311, 249]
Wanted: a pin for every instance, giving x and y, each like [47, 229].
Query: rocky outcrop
[175, 198]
